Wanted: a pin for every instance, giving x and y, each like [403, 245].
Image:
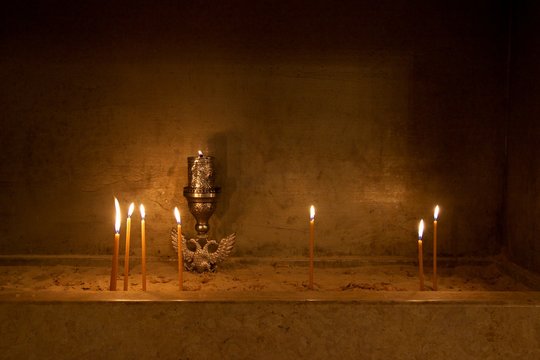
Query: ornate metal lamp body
[201, 194]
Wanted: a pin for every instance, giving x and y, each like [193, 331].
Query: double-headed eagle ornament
[207, 254]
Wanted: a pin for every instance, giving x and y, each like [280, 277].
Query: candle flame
[420, 229]
[130, 210]
[312, 212]
[200, 153]
[177, 215]
[118, 216]
[436, 213]
[143, 213]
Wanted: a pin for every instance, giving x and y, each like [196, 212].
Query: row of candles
[420, 247]
[114, 272]
[118, 219]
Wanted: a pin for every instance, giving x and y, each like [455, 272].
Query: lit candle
[114, 271]
[420, 255]
[435, 217]
[143, 247]
[311, 243]
[179, 242]
[126, 256]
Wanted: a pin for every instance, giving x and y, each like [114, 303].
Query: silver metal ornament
[206, 254]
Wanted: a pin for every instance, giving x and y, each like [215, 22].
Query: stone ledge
[280, 326]
[506, 298]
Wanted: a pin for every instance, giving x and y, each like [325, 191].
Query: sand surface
[277, 276]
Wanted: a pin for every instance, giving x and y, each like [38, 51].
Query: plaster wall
[372, 111]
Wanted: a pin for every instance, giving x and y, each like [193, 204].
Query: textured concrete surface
[284, 327]
[523, 137]
[372, 111]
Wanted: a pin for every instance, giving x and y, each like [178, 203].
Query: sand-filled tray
[60, 307]
[352, 275]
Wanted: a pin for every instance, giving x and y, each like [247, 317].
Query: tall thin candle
[114, 270]
[420, 254]
[179, 242]
[311, 244]
[435, 217]
[143, 247]
[128, 235]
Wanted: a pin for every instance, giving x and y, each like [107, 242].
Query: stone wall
[372, 111]
[523, 136]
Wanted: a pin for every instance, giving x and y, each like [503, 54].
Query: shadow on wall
[455, 136]
[225, 146]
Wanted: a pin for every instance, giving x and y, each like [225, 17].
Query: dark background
[374, 111]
